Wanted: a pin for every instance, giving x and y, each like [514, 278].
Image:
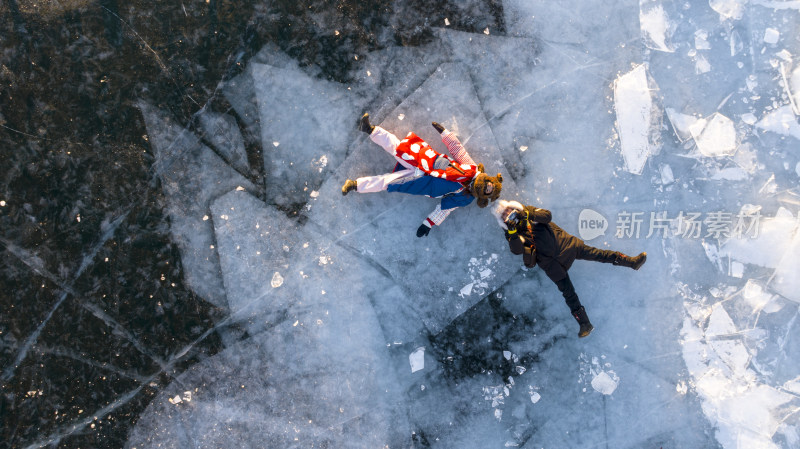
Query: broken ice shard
[657, 30]
[728, 9]
[781, 121]
[715, 136]
[604, 383]
[417, 359]
[638, 121]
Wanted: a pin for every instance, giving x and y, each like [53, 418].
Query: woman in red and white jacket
[420, 170]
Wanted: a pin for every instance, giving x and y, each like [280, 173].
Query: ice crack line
[535, 91]
[161, 65]
[36, 265]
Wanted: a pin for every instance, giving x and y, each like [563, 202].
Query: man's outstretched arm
[535, 214]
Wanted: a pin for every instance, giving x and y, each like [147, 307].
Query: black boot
[583, 320]
[631, 262]
[438, 127]
[349, 186]
[364, 124]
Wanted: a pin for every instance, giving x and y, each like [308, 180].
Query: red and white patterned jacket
[418, 153]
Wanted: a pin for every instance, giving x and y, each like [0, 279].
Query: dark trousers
[586, 252]
[568, 290]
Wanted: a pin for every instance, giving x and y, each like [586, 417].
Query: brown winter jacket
[556, 249]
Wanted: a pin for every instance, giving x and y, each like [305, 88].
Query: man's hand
[512, 221]
[512, 226]
[423, 230]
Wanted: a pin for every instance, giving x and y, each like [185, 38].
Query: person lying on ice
[530, 232]
[420, 170]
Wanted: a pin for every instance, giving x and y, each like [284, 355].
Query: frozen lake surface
[660, 126]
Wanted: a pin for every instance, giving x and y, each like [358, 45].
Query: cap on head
[502, 207]
[486, 188]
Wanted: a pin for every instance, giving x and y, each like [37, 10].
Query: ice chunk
[715, 136]
[222, 131]
[701, 65]
[749, 118]
[742, 408]
[771, 36]
[728, 9]
[252, 274]
[745, 157]
[712, 253]
[192, 176]
[681, 123]
[769, 246]
[786, 280]
[320, 124]
[749, 417]
[657, 30]
[321, 366]
[736, 269]
[379, 223]
[666, 174]
[781, 121]
[323, 384]
[755, 295]
[730, 174]
[604, 383]
[732, 352]
[701, 40]
[277, 280]
[240, 90]
[417, 359]
[638, 121]
[793, 84]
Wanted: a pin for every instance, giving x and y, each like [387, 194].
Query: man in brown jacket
[531, 233]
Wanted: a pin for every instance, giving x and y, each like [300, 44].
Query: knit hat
[502, 205]
[479, 187]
